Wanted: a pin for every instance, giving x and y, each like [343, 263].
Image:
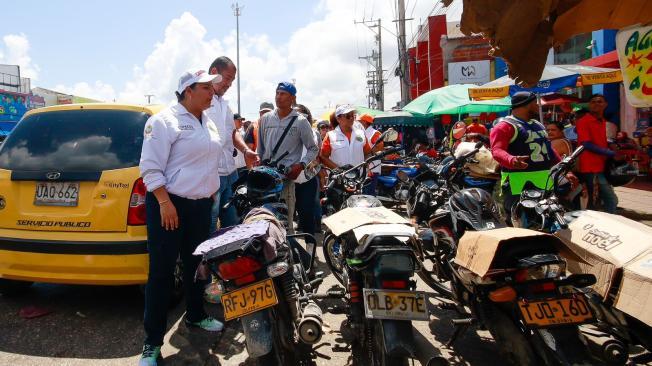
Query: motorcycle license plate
[555, 312]
[248, 300]
[395, 304]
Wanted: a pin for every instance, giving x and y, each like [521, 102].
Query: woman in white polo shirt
[344, 145]
[180, 170]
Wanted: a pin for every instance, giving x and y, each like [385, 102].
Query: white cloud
[15, 51]
[98, 90]
[322, 57]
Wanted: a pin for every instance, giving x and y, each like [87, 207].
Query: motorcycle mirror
[459, 129]
[390, 135]
[402, 176]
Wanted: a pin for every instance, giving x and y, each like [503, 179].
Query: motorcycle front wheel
[437, 277]
[333, 254]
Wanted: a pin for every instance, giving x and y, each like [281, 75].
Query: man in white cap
[223, 117]
[251, 137]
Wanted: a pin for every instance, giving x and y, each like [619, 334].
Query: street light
[237, 11]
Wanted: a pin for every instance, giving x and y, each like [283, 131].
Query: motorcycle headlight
[532, 194]
[528, 204]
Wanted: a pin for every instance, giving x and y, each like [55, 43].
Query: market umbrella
[554, 78]
[365, 110]
[522, 32]
[402, 118]
[454, 99]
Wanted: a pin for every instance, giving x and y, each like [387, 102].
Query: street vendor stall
[454, 99]
[553, 79]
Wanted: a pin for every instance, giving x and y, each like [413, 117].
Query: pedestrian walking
[592, 134]
[222, 114]
[283, 133]
[180, 171]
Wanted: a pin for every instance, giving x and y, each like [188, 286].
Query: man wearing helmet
[520, 145]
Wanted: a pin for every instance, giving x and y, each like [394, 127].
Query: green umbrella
[365, 110]
[454, 99]
[402, 118]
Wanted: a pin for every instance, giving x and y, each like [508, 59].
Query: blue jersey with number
[530, 139]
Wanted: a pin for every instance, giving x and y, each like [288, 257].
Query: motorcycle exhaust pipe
[604, 346]
[310, 326]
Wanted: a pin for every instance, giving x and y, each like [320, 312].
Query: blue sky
[83, 40]
[121, 50]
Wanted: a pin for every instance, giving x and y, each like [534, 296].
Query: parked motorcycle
[542, 210]
[521, 293]
[376, 266]
[267, 276]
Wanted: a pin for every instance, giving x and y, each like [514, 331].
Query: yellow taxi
[72, 203]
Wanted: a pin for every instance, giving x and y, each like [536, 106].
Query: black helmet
[264, 183]
[476, 208]
[620, 173]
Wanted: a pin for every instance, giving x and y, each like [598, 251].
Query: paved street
[102, 326]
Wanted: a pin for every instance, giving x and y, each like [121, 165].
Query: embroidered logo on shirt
[359, 139]
[148, 131]
[186, 128]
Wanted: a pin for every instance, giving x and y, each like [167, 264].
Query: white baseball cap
[343, 109]
[196, 76]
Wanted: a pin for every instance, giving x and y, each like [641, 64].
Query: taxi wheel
[177, 289]
[177, 286]
[11, 287]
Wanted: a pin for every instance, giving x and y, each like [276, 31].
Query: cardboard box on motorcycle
[618, 251]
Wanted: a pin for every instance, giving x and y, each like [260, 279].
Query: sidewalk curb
[634, 215]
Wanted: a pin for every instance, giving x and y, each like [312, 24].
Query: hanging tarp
[454, 99]
[402, 118]
[522, 32]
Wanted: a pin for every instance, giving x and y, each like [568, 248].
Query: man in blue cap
[284, 133]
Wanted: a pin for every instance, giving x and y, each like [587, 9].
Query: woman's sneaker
[150, 355]
[209, 323]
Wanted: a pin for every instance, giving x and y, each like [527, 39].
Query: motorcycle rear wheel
[370, 351]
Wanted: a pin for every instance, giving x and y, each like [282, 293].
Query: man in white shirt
[223, 117]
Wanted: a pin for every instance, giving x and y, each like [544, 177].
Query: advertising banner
[634, 47]
[470, 72]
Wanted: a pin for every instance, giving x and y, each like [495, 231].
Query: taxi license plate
[395, 304]
[555, 312]
[56, 194]
[248, 300]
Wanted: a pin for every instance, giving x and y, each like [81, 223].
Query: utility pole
[403, 71]
[375, 80]
[149, 98]
[237, 11]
